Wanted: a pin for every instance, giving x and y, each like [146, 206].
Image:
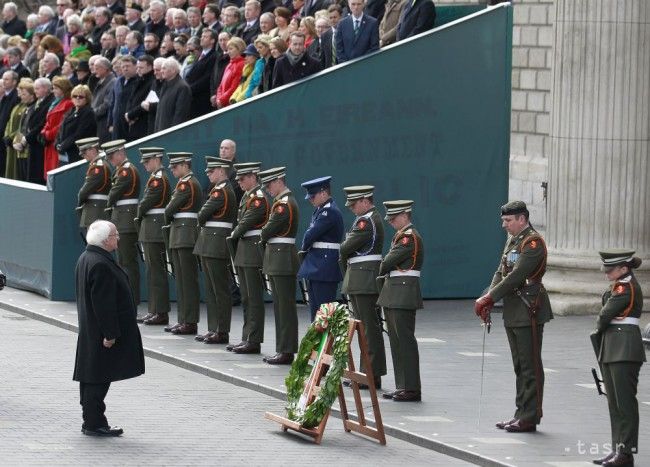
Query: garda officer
[123, 204]
[94, 192]
[216, 219]
[526, 307]
[400, 297]
[619, 349]
[252, 215]
[151, 218]
[320, 245]
[360, 260]
[281, 263]
[181, 228]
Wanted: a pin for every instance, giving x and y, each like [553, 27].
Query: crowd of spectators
[103, 68]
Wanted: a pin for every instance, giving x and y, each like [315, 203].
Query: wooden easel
[322, 363]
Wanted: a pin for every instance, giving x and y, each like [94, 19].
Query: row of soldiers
[253, 243]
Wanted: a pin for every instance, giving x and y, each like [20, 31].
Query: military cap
[178, 157]
[354, 193]
[149, 153]
[113, 146]
[269, 175]
[316, 185]
[396, 207]
[619, 257]
[244, 168]
[216, 162]
[514, 207]
[86, 143]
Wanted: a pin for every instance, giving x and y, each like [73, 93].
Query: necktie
[356, 28]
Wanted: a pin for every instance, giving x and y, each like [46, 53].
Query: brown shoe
[408, 396]
[142, 319]
[230, 347]
[185, 328]
[602, 460]
[390, 394]
[203, 337]
[504, 424]
[157, 319]
[620, 459]
[521, 426]
[170, 328]
[279, 359]
[217, 338]
[248, 347]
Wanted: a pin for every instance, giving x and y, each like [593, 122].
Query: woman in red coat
[60, 106]
[232, 73]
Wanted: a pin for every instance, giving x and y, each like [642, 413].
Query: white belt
[629, 320]
[252, 233]
[327, 245]
[180, 215]
[225, 225]
[102, 197]
[123, 202]
[289, 240]
[364, 258]
[153, 211]
[411, 273]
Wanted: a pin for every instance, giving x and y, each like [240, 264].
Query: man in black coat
[109, 345]
[199, 75]
[417, 16]
[135, 115]
[295, 64]
[7, 102]
[127, 83]
[175, 98]
[12, 24]
[221, 62]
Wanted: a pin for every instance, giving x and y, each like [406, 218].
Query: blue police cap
[316, 185]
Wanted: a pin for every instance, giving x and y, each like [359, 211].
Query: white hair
[45, 82]
[10, 6]
[159, 61]
[32, 18]
[98, 233]
[46, 11]
[171, 62]
[73, 19]
[158, 4]
[49, 56]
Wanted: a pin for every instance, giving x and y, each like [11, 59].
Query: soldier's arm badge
[182, 186]
[124, 173]
[533, 244]
[619, 289]
[405, 240]
[154, 183]
[215, 194]
[257, 203]
[279, 209]
[97, 170]
[362, 224]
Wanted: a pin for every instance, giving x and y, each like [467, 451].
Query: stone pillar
[599, 168]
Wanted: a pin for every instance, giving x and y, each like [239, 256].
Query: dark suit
[221, 62]
[416, 18]
[284, 72]
[15, 27]
[350, 45]
[174, 105]
[312, 6]
[76, 125]
[249, 34]
[137, 26]
[35, 124]
[327, 51]
[120, 106]
[199, 80]
[159, 28]
[138, 128]
[7, 103]
[375, 8]
[116, 8]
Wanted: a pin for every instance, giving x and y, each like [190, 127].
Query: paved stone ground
[171, 416]
[575, 427]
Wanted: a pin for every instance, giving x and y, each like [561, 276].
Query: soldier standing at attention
[181, 220]
[400, 297]
[518, 281]
[123, 204]
[150, 219]
[320, 245]
[216, 219]
[360, 257]
[94, 192]
[252, 215]
[281, 263]
[619, 349]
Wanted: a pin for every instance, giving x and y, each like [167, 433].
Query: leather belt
[289, 240]
[364, 258]
[326, 245]
[124, 202]
[252, 233]
[628, 320]
[153, 211]
[410, 273]
[102, 197]
[225, 225]
[190, 215]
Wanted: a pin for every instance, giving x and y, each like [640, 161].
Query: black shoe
[389, 394]
[407, 396]
[602, 460]
[103, 431]
[248, 347]
[142, 319]
[620, 459]
[229, 347]
[278, 359]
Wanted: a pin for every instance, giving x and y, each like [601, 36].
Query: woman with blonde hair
[12, 131]
[61, 89]
[250, 59]
[77, 124]
[308, 28]
[232, 73]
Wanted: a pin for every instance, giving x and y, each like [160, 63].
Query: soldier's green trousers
[621, 380]
[403, 348]
[217, 293]
[363, 309]
[252, 299]
[286, 313]
[127, 257]
[521, 348]
[156, 262]
[186, 271]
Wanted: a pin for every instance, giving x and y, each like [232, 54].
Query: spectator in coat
[295, 64]
[357, 34]
[11, 23]
[263, 44]
[417, 16]
[221, 62]
[232, 73]
[250, 29]
[109, 345]
[14, 61]
[61, 88]
[156, 22]
[199, 75]
[7, 102]
[210, 17]
[103, 97]
[151, 45]
[26, 85]
[79, 48]
[12, 130]
[127, 84]
[282, 19]
[388, 25]
[176, 98]
[73, 27]
[35, 123]
[135, 115]
[134, 17]
[134, 44]
[50, 66]
[77, 124]
[46, 20]
[151, 106]
[102, 24]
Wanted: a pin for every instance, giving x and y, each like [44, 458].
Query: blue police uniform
[321, 243]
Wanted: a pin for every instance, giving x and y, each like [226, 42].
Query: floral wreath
[332, 318]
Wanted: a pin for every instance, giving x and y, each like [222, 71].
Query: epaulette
[619, 287]
[625, 280]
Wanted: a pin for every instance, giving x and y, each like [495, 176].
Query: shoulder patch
[405, 240]
[279, 209]
[257, 203]
[124, 173]
[97, 170]
[533, 244]
[158, 174]
[182, 186]
[154, 183]
[618, 289]
[362, 224]
[215, 194]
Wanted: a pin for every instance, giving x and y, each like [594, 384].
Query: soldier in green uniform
[94, 192]
[281, 263]
[216, 219]
[181, 220]
[123, 203]
[526, 307]
[252, 215]
[150, 218]
[400, 297]
[360, 257]
[619, 349]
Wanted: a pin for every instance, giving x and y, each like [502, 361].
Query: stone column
[599, 169]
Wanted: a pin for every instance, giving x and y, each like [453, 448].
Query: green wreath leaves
[333, 318]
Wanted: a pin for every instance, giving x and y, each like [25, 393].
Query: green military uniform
[400, 297]
[181, 217]
[281, 263]
[216, 219]
[620, 352]
[94, 192]
[252, 215]
[123, 203]
[360, 258]
[151, 217]
[518, 281]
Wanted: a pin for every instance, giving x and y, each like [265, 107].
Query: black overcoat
[106, 309]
